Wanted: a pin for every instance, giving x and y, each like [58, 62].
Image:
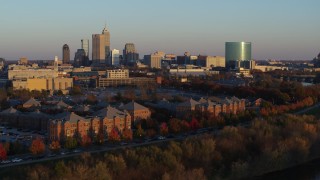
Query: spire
[105, 28]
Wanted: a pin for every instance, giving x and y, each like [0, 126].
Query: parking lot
[23, 136]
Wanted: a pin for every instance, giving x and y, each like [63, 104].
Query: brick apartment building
[214, 106]
[137, 111]
[71, 125]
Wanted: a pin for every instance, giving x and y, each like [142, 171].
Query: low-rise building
[72, 125]
[137, 111]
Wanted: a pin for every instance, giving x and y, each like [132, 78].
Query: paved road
[95, 149]
[308, 109]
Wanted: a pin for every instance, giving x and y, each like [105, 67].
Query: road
[308, 109]
[99, 149]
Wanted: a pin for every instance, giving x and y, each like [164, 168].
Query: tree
[100, 137]
[55, 146]
[114, 136]
[76, 90]
[174, 125]
[71, 143]
[91, 99]
[194, 124]
[85, 141]
[164, 129]
[127, 134]
[3, 153]
[139, 132]
[37, 146]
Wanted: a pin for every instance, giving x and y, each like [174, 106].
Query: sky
[278, 29]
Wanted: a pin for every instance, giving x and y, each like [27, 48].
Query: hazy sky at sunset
[279, 29]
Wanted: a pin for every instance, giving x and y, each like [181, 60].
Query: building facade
[137, 111]
[237, 51]
[153, 60]
[80, 58]
[130, 54]
[85, 46]
[211, 61]
[73, 125]
[51, 84]
[65, 54]
[114, 59]
[98, 49]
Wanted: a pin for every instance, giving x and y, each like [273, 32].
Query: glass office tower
[238, 51]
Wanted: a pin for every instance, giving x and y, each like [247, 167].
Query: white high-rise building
[115, 57]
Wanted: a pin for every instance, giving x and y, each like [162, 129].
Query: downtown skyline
[277, 30]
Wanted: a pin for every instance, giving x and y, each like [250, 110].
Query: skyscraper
[115, 57]
[106, 34]
[129, 54]
[101, 47]
[65, 54]
[98, 51]
[80, 58]
[237, 51]
[85, 46]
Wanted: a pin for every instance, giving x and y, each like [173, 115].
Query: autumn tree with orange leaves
[114, 135]
[164, 129]
[127, 134]
[37, 146]
[55, 146]
[85, 141]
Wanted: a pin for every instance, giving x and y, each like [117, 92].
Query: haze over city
[286, 29]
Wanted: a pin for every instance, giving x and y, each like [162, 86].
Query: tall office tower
[115, 58]
[80, 58]
[106, 34]
[65, 54]
[98, 51]
[237, 51]
[85, 46]
[129, 54]
[101, 47]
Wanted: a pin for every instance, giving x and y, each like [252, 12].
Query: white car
[16, 160]
[5, 161]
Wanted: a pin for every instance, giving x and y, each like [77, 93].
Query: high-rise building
[106, 34]
[101, 47]
[65, 54]
[237, 51]
[80, 58]
[98, 51]
[85, 46]
[115, 58]
[129, 54]
[153, 60]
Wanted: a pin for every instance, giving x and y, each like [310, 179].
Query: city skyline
[277, 29]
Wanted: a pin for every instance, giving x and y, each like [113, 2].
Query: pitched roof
[83, 108]
[62, 104]
[32, 102]
[39, 113]
[10, 110]
[133, 106]
[190, 103]
[69, 117]
[111, 112]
